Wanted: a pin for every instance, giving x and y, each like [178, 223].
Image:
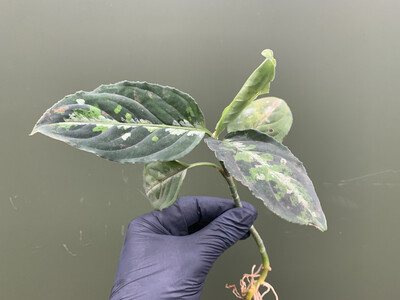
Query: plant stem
[265, 260]
[207, 164]
[208, 132]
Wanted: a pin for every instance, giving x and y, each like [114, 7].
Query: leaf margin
[322, 226]
[246, 120]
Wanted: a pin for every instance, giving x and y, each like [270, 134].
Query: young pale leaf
[272, 173]
[127, 122]
[257, 84]
[269, 115]
[162, 181]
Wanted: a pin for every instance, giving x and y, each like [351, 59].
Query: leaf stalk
[200, 164]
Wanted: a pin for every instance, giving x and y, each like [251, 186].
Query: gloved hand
[168, 254]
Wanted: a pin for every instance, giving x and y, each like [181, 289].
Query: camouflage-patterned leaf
[257, 84]
[127, 122]
[272, 173]
[162, 181]
[269, 115]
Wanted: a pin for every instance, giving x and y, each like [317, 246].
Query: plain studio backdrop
[64, 212]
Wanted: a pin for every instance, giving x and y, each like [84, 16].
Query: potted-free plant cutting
[140, 122]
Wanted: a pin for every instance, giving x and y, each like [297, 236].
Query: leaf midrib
[166, 179]
[116, 123]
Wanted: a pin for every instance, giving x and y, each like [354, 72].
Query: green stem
[199, 164]
[265, 260]
[208, 132]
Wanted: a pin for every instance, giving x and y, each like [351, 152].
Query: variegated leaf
[257, 84]
[127, 122]
[162, 181]
[272, 173]
[269, 115]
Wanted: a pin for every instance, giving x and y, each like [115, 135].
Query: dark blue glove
[168, 254]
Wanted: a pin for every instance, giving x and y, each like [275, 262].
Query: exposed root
[247, 282]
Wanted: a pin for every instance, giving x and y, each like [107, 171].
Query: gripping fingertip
[251, 212]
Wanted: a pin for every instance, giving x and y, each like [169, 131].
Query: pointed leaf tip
[321, 228]
[267, 53]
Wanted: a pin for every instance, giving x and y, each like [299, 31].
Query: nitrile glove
[168, 254]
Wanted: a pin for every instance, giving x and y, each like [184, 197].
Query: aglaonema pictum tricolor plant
[131, 122]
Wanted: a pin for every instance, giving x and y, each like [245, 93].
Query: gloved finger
[188, 211]
[228, 228]
[247, 234]
[204, 221]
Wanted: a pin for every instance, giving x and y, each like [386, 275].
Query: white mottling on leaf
[292, 186]
[81, 118]
[185, 123]
[125, 136]
[151, 129]
[248, 112]
[80, 101]
[239, 145]
[260, 176]
[174, 131]
[191, 133]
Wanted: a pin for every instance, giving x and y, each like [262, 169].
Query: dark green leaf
[269, 115]
[272, 173]
[162, 181]
[257, 84]
[127, 122]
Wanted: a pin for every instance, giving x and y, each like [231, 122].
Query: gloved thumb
[228, 228]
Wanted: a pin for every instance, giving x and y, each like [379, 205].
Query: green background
[63, 212]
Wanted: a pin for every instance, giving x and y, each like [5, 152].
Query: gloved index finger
[192, 210]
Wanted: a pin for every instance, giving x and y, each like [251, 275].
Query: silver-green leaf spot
[272, 173]
[269, 115]
[162, 181]
[127, 122]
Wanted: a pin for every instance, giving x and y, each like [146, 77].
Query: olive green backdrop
[63, 212]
